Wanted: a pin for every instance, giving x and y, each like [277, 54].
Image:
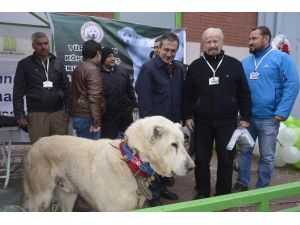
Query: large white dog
[98, 171]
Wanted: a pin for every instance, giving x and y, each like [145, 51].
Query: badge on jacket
[213, 81]
[47, 84]
[254, 75]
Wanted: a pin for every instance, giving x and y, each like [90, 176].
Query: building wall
[236, 26]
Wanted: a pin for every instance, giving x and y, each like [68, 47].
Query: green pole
[178, 20]
[13, 44]
[117, 16]
[6, 42]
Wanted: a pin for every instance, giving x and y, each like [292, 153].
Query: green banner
[132, 43]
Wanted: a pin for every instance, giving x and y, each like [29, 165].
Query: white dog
[97, 170]
[137, 47]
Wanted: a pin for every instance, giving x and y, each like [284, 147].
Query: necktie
[170, 68]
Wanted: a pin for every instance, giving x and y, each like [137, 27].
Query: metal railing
[260, 198]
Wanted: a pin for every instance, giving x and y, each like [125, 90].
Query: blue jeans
[266, 131]
[82, 127]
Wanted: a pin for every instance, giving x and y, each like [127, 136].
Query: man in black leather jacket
[41, 79]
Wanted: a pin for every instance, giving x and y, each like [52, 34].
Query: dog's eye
[174, 145]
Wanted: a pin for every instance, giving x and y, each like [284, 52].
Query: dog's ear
[157, 133]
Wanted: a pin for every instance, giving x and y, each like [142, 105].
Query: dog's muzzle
[190, 165]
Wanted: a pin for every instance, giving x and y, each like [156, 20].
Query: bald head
[212, 41]
[212, 32]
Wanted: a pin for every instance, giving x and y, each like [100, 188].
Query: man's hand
[278, 119]
[243, 124]
[94, 129]
[22, 122]
[67, 117]
[190, 124]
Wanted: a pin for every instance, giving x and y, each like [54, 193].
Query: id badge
[47, 84]
[213, 81]
[254, 75]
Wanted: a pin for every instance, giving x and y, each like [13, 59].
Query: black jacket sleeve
[143, 89]
[19, 91]
[187, 94]
[65, 86]
[130, 91]
[244, 97]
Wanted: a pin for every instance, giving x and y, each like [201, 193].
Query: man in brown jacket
[87, 93]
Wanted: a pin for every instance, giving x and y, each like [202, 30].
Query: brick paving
[184, 186]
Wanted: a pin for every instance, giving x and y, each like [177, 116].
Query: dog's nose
[190, 165]
[189, 169]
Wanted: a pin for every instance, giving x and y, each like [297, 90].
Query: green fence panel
[260, 198]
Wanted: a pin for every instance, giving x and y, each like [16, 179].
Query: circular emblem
[91, 31]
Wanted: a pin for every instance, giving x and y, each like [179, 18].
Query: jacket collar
[262, 52]
[108, 70]
[214, 58]
[37, 59]
[91, 61]
[158, 61]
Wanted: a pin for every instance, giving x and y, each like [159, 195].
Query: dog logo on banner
[92, 31]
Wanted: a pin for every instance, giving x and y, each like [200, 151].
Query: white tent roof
[24, 18]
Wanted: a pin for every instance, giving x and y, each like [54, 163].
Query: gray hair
[170, 36]
[38, 35]
[212, 30]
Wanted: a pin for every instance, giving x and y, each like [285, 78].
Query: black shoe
[170, 181]
[239, 187]
[169, 195]
[154, 202]
[200, 196]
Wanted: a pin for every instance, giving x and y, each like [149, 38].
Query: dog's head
[128, 35]
[92, 33]
[161, 143]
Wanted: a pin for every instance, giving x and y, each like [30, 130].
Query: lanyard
[212, 69]
[257, 64]
[46, 68]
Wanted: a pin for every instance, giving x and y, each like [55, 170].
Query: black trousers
[157, 186]
[205, 135]
[111, 127]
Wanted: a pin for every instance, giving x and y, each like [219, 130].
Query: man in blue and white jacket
[274, 83]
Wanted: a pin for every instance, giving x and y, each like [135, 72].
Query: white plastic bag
[242, 137]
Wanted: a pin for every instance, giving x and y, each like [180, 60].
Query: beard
[254, 50]
[213, 51]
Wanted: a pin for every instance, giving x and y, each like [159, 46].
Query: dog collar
[134, 163]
